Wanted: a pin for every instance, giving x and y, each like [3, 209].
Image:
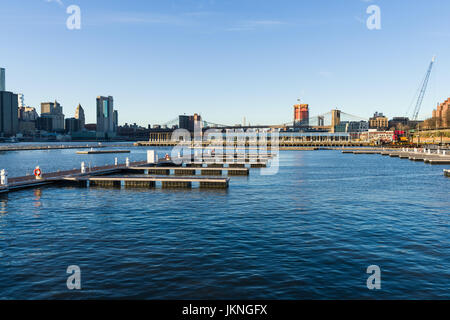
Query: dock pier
[148, 181]
[103, 151]
[435, 157]
[144, 174]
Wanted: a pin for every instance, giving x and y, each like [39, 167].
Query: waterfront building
[9, 120]
[105, 117]
[45, 124]
[73, 125]
[27, 114]
[441, 115]
[2, 79]
[27, 127]
[352, 126]
[53, 111]
[373, 135]
[27, 119]
[378, 121]
[301, 115]
[358, 126]
[188, 122]
[134, 132]
[79, 114]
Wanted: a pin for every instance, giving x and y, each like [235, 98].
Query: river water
[308, 232]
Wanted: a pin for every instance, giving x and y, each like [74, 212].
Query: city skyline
[227, 61]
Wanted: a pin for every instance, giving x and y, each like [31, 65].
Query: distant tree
[427, 123]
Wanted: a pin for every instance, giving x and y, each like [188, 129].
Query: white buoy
[83, 167]
[116, 162]
[127, 162]
[3, 177]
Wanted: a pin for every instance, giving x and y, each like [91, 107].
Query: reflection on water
[37, 197]
[3, 203]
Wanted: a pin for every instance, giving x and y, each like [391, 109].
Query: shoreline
[58, 147]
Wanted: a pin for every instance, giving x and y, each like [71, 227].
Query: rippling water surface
[310, 231]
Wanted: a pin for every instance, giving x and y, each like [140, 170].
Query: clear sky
[226, 59]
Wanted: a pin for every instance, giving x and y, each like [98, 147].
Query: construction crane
[423, 91]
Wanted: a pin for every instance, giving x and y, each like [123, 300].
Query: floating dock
[30, 181]
[190, 170]
[207, 175]
[149, 181]
[435, 158]
[103, 151]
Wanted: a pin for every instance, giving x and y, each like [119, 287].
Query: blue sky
[226, 59]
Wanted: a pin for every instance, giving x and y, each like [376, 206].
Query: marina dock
[436, 157]
[30, 181]
[207, 174]
[103, 151]
[190, 170]
[149, 181]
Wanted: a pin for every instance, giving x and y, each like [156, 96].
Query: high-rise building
[301, 115]
[9, 119]
[73, 125]
[116, 120]
[79, 114]
[21, 100]
[27, 120]
[105, 117]
[2, 79]
[53, 110]
[45, 124]
[28, 114]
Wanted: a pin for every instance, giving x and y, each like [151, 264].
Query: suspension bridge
[322, 120]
